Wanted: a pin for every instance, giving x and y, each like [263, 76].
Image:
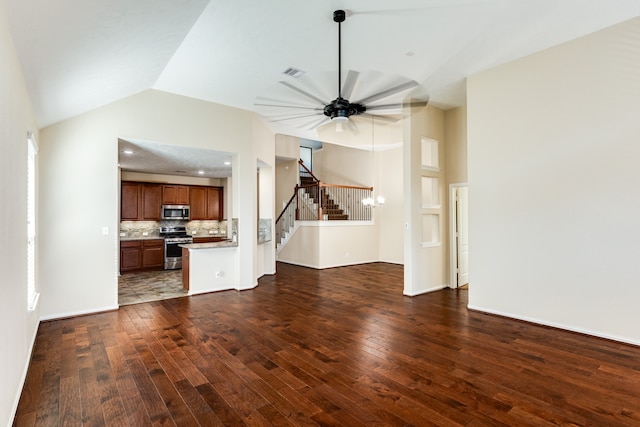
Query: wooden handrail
[308, 171]
[295, 193]
[354, 187]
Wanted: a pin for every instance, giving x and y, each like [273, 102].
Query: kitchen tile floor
[148, 286]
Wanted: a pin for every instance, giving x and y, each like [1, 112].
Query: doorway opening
[459, 238]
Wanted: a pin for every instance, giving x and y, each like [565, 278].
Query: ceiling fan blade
[349, 83]
[297, 116]
[389, 92]
[302, 92]
[316, 123]
[297, 107]
[383, 118]
[398, 105]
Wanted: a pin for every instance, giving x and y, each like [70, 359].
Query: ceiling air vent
[293, 72]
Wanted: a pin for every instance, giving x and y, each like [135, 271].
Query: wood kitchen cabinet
[140, 255]
[153, 254]
[206, 203]
[130, 256]
[175, 194]
[140, 201]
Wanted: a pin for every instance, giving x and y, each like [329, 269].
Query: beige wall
[286, 180]
[326, 244]
[79, 174]
[18, 325]
[424, 267]
[456, 145]
[337, 164]
[390, 217]
[553, 158]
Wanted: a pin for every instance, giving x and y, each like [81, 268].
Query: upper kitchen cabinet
[175, 194]
[206, 203]
[140, 201]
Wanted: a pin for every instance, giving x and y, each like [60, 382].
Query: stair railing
[320, 201]
[305, 172]
[287, 217]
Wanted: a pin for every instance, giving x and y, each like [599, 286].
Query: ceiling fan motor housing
[341, 107]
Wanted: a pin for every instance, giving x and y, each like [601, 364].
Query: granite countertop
[125, 239]
[212, 245]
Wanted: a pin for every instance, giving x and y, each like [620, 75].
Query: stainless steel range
[173, 237]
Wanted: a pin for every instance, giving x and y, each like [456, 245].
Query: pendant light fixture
[371, 201]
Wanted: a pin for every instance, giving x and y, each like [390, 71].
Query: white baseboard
[424, 291]
[79, 313]
[322, 267]
[555, 325]
[16, 402]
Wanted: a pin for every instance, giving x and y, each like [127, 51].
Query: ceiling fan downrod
[339, 17]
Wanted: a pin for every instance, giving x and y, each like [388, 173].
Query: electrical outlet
[145, 233]
[219, 274]
[210, 231]
[105, 231]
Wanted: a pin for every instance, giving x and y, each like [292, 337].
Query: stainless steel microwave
[176, 212]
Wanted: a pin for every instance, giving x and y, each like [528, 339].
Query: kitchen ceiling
[165, 159]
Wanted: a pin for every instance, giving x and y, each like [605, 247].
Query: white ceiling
[80, 54]
[166, 159]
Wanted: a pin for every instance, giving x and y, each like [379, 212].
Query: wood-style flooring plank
[336, 347]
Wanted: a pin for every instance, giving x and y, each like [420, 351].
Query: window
[32, 292]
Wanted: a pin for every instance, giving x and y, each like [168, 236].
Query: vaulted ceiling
[80, 54]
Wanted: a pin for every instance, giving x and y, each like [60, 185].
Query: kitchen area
[162, 218]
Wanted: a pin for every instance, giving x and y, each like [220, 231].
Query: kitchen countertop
[212, 245]
[125, 239]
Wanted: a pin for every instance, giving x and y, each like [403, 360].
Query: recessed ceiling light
[127, 151]
[201, 172]
[227, 163]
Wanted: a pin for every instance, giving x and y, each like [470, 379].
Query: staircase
[313, 200]
[329, 207]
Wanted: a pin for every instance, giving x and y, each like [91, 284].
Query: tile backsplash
[150, 229]
[139, 229]
[207, 228]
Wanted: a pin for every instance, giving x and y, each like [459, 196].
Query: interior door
[462, 229]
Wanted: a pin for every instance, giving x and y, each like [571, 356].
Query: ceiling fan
[340, 110]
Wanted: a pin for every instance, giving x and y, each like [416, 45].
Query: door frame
[453, 241]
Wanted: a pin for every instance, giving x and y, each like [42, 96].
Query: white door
[462, 229]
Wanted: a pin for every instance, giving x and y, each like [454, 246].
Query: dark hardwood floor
[333, 347]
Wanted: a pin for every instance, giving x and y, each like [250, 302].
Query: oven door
[173, 253]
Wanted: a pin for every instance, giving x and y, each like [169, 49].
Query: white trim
[79, 313]
[33, 304]
[453, 249]
[425, 291]
[554, 325]
[316, 267]
[25, 371]
[430, 244]
[431, 206]
[332, 223]
[430, 168]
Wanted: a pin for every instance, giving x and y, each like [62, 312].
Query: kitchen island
[209, 267]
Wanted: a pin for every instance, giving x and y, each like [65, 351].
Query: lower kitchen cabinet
[141, 255]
